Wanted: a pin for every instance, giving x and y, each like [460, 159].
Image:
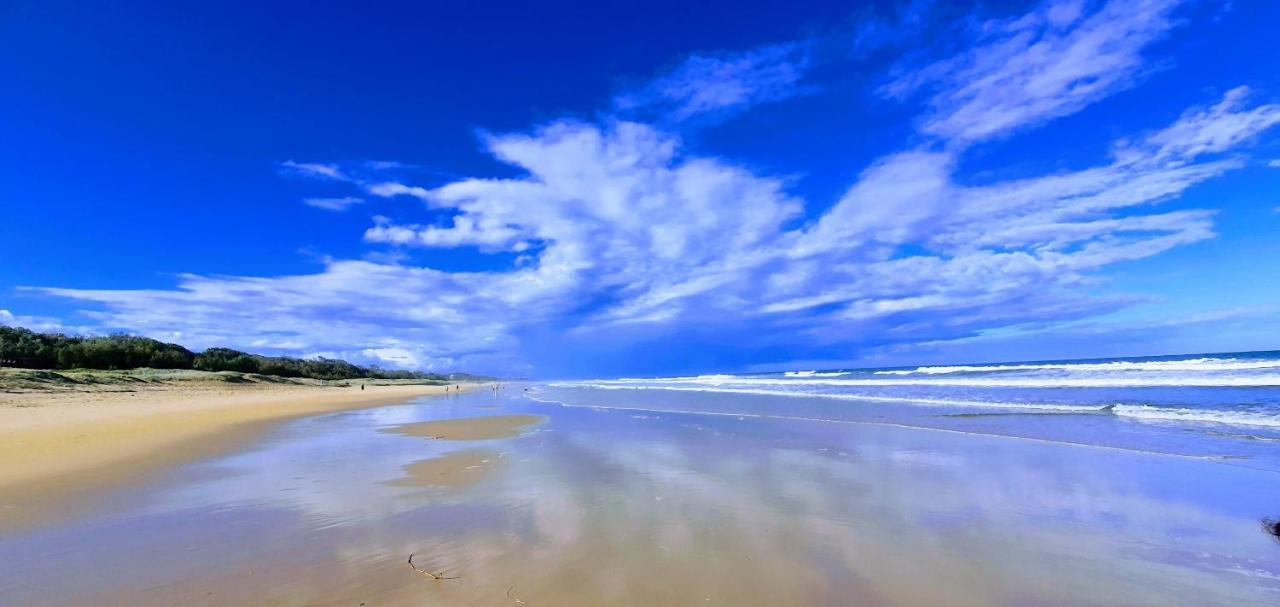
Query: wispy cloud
[1205, 131]
[903, 25]
[366, 177]
[349, 307]
[390, 189]
[36, 323]
[1024, 71]
[314, 170]
[1240, 328]
[387, 165]
[464, 231]
[720, 85]
[333, 204]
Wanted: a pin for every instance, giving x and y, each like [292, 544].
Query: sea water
[1216, 406]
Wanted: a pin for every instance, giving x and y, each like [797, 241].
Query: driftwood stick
[428, 573]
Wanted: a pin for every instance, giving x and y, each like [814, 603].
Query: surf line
[1204, 458]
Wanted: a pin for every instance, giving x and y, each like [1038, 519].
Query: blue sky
[646, 188]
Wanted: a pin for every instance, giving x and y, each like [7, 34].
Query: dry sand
[60, 445]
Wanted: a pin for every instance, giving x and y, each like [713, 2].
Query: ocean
[1215, 406]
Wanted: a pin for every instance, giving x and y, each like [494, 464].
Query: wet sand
[456, 469]
[61, 447]
[465, 467]
[470, 428]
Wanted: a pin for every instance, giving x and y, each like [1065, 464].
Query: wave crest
[1190, 364]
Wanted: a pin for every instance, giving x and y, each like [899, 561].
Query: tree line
[25, 348]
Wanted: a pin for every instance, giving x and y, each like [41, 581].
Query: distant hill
[29, 349]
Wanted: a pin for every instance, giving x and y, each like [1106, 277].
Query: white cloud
[1275, 164]
[1009, 239]
[315, 170]
[1206, 131]
[390, 189]
[1239, 328]
[1025, 71]
[435, 315]
[721, 83]
[333, 204]
[889, 205]
[37, 323]
[464, 231]
[386, 165]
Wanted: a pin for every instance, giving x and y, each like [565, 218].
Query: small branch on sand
[518, 601]
[428, 573]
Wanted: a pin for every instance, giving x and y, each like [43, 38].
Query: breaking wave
[1137, 381]
[942, 402]
[1217, 416]
[1144, 412]
[1191, 364]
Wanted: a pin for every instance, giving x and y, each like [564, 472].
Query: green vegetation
[28, 349]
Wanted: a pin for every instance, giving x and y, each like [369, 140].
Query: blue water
[1215, 406]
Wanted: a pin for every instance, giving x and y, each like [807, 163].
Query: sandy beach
[60, 444]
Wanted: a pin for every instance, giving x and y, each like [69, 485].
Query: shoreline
[61, 449]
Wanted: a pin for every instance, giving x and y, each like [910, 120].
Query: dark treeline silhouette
[25, 348]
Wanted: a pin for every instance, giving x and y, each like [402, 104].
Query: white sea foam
[1136, 381]
[1191, 364]
[1141, 412]
[937, 402]
[711, 377]
[1217, 416]
[815, 373]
